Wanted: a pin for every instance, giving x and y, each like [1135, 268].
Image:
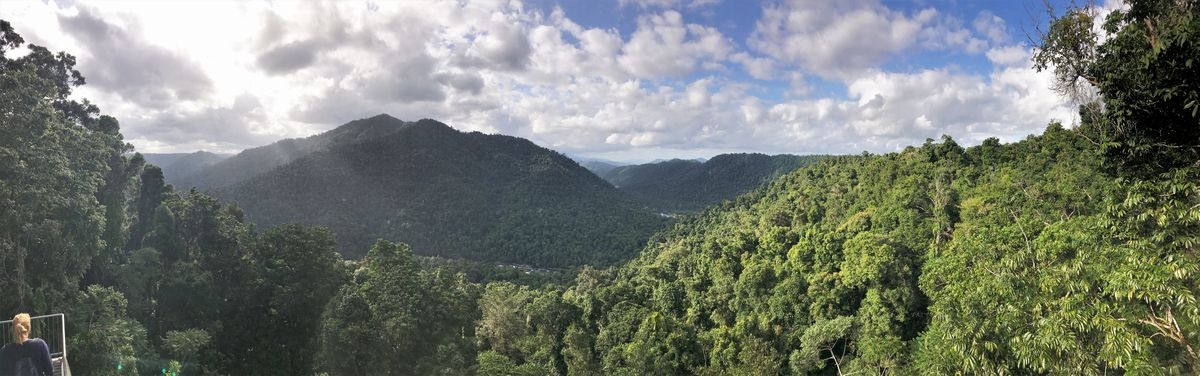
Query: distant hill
[598, 167]
[163, 159]
[177, 166]
[255, 161]
[690, 185]
[444, 192]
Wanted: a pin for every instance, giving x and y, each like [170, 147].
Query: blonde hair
[21, 326]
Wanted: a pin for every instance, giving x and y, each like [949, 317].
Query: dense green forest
[1070, 252]
[451, 194]
[689, 186]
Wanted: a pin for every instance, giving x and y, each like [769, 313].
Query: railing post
[63, 332]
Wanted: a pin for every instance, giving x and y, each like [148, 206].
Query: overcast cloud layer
[803, 77]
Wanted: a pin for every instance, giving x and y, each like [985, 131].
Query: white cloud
[830, 38]
[846, 39]
[506, 46]
[991, 26]
[664, 46]
[667, 88]
[697, 93]
[667, 4]
[126, 64]
[1009, 103]
[757, 67]
[1008, 55]
[948, 33]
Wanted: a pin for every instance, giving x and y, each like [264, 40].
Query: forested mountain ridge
[1070, 252]
[688, 185]
[177, 166]
[453, 194]
[252, 162]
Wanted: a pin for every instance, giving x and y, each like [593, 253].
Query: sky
[623, 80]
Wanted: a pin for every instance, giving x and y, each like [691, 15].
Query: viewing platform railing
[50, 328]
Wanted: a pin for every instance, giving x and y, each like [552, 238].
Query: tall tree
[1146, 72]
[52, 164]
[151, 192]
[296, 272]
[397, 319]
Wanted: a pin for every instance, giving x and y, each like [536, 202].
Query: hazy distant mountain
[690, 185]
[598, 167]
[255, 161]
[660, 160]
[176, 166]
[447, 193]
[163, 159]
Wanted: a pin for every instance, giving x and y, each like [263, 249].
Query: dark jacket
[34, 349]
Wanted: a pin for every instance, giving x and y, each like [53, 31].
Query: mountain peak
[383, 116]
[433, 123]
[377, 120]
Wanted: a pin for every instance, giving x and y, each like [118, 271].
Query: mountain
[597, 166]
[177, 166]
[255, 161]
[164, 159]
[445, 193]
[690, 185]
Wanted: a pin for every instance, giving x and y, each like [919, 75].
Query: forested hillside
[1069, 252]
[1073, 252]
[452, 194]
[867, 264]
[688, 186]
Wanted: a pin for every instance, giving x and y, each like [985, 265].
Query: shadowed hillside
[447, 193]
[688, 185]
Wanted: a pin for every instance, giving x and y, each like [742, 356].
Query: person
[25, 356]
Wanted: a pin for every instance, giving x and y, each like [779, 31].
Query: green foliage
[492, 363]
[52, 169]
[295, 271]
[823, 342]
[1017, 259]
[503, 325]
[398, 319]
[185, 344]
[150, 194]
[104, 337]
[525, 326]
[1145, 72]
[485, 272]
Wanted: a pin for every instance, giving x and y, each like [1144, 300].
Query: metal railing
[50, 328]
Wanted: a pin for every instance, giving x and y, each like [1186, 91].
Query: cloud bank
[799, 77]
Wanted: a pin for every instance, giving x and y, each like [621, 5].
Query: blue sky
[628, 80]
